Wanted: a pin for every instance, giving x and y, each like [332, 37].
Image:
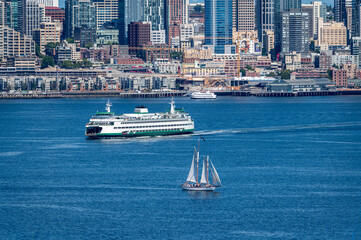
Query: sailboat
[192, 183]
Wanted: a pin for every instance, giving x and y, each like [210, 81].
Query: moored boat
[203, 95]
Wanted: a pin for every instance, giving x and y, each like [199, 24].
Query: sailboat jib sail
[192, 172]
[216, 179]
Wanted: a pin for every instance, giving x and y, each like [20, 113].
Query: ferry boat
[203, 95]
[192, 183]
[140, 123]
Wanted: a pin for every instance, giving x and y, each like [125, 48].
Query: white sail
[204, 171]
[192, 172]
[215, 177]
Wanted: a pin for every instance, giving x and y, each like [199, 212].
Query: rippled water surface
[291, 169]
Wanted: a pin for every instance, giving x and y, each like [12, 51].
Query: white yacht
[203, 95]
[140, 123]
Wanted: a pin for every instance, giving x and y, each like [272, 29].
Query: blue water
[291, 169]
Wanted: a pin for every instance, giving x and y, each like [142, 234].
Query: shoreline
[48, 95]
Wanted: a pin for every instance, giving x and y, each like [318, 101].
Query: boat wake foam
[279, 128]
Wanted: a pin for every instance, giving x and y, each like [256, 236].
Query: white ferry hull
[139, 134]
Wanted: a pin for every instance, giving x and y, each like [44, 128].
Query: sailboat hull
[201, 188]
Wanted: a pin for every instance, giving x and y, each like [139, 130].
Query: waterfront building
[107, 11]
[128, 11]
[339, 77]
[138, 36]
[294, 31]
[300, 85]
[218, 24]
[12, 43]
[47, 32]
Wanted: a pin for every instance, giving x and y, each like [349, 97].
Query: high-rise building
[48, 32]
[294, 31]
[128, 11]
[138, 36]
[244, 15]
[319, 11]
[308, 8]
[13, 14]
[84, 22]
[281, 6]
[68, 26]
[107, 11]
[55, 13]
[12, 43]
[3, 13]
[356, 18]
[265, 18]
[154, 12]
[340, 11]
[332, 35]
[218, 24]
[356, 49]
[177, 15]
[33, 13]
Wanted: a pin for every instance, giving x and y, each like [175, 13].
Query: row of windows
[172, 125]
[158, 130]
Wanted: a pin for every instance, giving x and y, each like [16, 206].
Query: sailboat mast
[198, 158]
[207, 170]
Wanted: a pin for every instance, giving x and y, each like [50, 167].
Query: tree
[243, 72]
[47, 61]
[198, 8]
[250, 68]
[88, 45]
[42, 86]
[86, 63]
[50, 47]
[272, 74]
[70, 40]
[38, 51]
[329, 73]
[286, 74]
[67, 64]
[176, 55]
